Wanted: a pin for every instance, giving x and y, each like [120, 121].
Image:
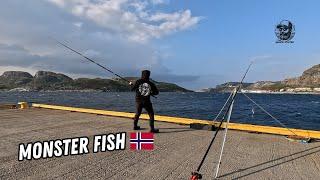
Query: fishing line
[223, 107]
[269, 114]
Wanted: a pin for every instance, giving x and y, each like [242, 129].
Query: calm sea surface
[295, 111]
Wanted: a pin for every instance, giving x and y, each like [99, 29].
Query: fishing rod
[196, 175]
[89, 59]
[224, 137]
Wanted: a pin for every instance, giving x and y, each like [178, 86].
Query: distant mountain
[309, 81]
[162, 86]
[45, 80]
[309, 78]
[12, 79]
[266, 85]
[226, 87]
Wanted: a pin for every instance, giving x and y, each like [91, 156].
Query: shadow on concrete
[175, 130]
[272, 163]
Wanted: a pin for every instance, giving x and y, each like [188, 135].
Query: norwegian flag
[141, 141]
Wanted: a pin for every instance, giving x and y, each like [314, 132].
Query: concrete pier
[178, 150]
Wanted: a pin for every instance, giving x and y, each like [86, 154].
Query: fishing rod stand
[196, 175]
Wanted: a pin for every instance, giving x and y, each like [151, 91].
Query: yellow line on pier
[188, 121]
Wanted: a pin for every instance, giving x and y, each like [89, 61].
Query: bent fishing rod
[196, 175]
[89, 59]
[103, 67]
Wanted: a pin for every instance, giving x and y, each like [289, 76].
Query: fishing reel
[196, 176]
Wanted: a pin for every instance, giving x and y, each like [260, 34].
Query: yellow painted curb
[187, 121]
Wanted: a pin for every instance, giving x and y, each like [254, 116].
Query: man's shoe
[136, 128]
[154, 130]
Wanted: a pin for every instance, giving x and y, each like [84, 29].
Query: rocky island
[51, 81]
[308, 82]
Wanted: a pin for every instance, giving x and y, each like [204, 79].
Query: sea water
[293, 110]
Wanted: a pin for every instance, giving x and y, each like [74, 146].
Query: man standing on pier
[144, 88]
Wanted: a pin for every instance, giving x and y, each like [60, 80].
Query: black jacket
[144, 88]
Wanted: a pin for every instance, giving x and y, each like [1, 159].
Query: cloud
[78, 24]
[260, 58]
[129, 63]
[59, 3]
[26, 26]
[14, 55]
[156, 2]
[130, 18]
[176, 78]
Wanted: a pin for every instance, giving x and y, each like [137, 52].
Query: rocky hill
[11, 79]
[226, 87]
[45, 80]
[309, 81]
[309, 78]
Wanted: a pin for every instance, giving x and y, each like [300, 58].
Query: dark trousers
[148, 107]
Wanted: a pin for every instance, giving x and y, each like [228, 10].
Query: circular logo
[145, 89]
[285, 31]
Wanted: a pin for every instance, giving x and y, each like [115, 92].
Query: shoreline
[92, 90]
[256, 92]
[312, 93]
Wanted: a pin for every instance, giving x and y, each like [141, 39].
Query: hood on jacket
[145, 75]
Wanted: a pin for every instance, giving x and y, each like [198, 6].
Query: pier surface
[178, 151]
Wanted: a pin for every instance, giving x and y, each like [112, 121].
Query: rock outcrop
[309, 81]
[50, 81]
[15, 78]
[46, 80]
[226, 87]
[309, 78]
[16, 75]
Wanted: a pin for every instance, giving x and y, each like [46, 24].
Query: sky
[196, 44]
